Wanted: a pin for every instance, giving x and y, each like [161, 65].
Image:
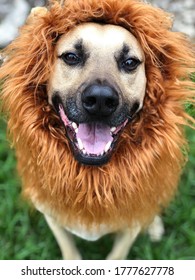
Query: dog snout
[100, 100]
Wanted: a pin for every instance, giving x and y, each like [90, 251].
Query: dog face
[97, 86]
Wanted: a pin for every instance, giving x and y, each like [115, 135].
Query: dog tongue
[94, 137]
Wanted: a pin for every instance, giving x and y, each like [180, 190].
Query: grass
[25, 235]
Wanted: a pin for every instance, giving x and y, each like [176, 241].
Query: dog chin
[92, 160]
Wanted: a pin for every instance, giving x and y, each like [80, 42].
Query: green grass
[25, 235]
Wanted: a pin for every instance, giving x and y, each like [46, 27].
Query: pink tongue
[94, 137]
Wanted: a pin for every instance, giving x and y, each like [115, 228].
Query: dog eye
[130, 64]
[71, 59]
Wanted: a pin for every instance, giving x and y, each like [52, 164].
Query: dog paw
[72, 256]
[117, 256]
[156, 229]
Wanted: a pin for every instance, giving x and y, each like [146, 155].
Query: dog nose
[100, 100]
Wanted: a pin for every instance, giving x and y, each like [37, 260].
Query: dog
[94, 92]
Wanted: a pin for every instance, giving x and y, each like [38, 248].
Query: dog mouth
[92, 143]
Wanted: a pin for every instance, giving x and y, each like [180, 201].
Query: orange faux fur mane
[143, 173]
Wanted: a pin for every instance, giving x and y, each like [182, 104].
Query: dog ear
[2, 58]
[169, 21]
[38, 12]
[35, 13]
[62, 2]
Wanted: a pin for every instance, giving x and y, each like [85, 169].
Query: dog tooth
[113, 129]
[80, 143]
[76, 130]
[107, 147]
[74, 125]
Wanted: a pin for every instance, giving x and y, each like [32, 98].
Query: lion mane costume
[143, 173]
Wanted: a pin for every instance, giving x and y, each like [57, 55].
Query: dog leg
[123, 242]
[64, 240]
[156, 229]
